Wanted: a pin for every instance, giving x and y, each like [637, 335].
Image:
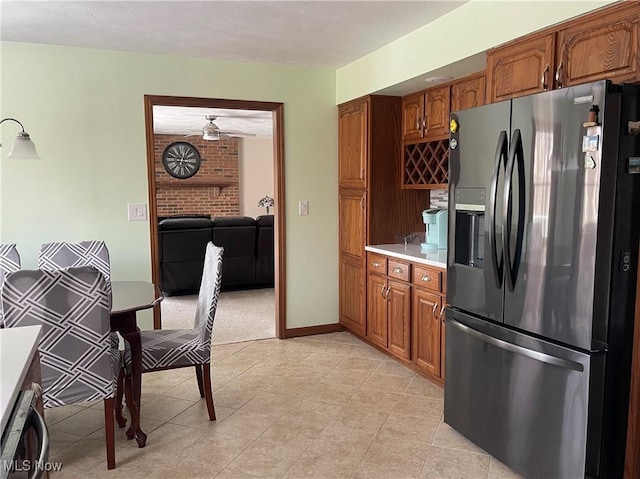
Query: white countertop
[17, 348]
[411, 252]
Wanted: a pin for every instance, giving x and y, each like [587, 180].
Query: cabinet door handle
[425, 123]
[418, 121]
[375, 264]
[426, 278]
[362, 202]
[560, 75]
[442, 312]
[435, 307]
[362, 174]
[388, 291]
[397, 270]
[543, 80]
[382, 291]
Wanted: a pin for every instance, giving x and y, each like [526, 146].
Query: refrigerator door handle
[514, 348]
[500, 158]
[516, 154]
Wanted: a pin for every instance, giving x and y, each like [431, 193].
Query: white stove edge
[411, 252]
[18, 346]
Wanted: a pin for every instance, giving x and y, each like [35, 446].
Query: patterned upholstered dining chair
[180, 348]
[61, 255]
[54, 256]
[76, 351]
[9, 262]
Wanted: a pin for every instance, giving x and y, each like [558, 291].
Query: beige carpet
[241, 315]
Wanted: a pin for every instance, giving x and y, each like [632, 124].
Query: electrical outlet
[303, 208]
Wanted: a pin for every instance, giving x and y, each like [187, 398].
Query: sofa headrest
[265, 220]
[223, 221]
[184, 224]
[192, 215]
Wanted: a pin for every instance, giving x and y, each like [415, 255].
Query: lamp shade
[23, 148]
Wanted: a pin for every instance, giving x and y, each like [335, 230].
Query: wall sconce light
[23, 148]
[266, 202]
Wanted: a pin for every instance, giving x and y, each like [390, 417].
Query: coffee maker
[436, 234]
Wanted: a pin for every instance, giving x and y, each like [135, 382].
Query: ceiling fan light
[210, 135]
[210, 132]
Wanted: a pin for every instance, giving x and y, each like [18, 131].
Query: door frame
[277, 110]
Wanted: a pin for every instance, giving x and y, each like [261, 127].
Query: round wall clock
[181, 160]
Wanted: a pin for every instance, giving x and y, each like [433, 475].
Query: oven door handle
[514, 348]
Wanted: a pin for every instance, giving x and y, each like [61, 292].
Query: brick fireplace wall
[203, 192]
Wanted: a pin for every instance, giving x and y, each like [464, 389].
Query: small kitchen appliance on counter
[436, 236]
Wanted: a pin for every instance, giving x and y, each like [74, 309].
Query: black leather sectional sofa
[248, 260]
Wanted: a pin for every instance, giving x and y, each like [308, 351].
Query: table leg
[126, 326]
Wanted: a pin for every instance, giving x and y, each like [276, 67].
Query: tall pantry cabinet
[372, 207]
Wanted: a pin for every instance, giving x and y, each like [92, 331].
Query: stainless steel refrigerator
[543, 241]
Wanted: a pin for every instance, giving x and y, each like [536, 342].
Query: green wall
[471, 28]
[84, 110]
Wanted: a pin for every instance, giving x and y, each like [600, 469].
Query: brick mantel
[213, 190]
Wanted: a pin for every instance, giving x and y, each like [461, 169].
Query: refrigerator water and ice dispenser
[469, 208]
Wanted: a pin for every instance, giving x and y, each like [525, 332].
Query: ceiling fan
[212, 132]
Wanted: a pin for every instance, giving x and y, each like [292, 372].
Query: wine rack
[426, 165]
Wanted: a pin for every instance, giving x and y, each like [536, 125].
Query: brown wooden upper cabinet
[521, 68]
[597, 46]
[468, 92]
[352, 145]
[425, 114]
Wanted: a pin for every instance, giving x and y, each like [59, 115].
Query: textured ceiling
[175, 120]
[319, 33]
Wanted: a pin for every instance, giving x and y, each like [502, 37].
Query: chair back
[208, 295]
[9, 262]
[72, 306]
[62, 255]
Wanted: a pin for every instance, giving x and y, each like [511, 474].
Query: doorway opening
[158, 209]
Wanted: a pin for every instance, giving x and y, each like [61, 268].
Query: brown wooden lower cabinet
[388, 314]
[376, 309]
[352, 301]
[405, 314]
[399, 319]
[426, 331]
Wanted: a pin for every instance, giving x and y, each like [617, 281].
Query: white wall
[84, 110]
[255, 164]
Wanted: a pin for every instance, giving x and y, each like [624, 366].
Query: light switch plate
[303, 208]
[137, 211]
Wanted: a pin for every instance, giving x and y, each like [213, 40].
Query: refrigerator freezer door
[552, 292]
[523, 400]
[474, 277]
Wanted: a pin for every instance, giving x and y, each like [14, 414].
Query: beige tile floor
[326, 406]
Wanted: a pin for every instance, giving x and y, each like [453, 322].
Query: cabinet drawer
[399, 270]
[376, 263]
[428, 278]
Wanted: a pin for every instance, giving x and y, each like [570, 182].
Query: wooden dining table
[129, 297]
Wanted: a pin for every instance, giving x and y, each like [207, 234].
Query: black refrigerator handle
[501, 156]
[516, 154]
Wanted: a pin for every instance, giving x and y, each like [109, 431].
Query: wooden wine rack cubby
[426, 165]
